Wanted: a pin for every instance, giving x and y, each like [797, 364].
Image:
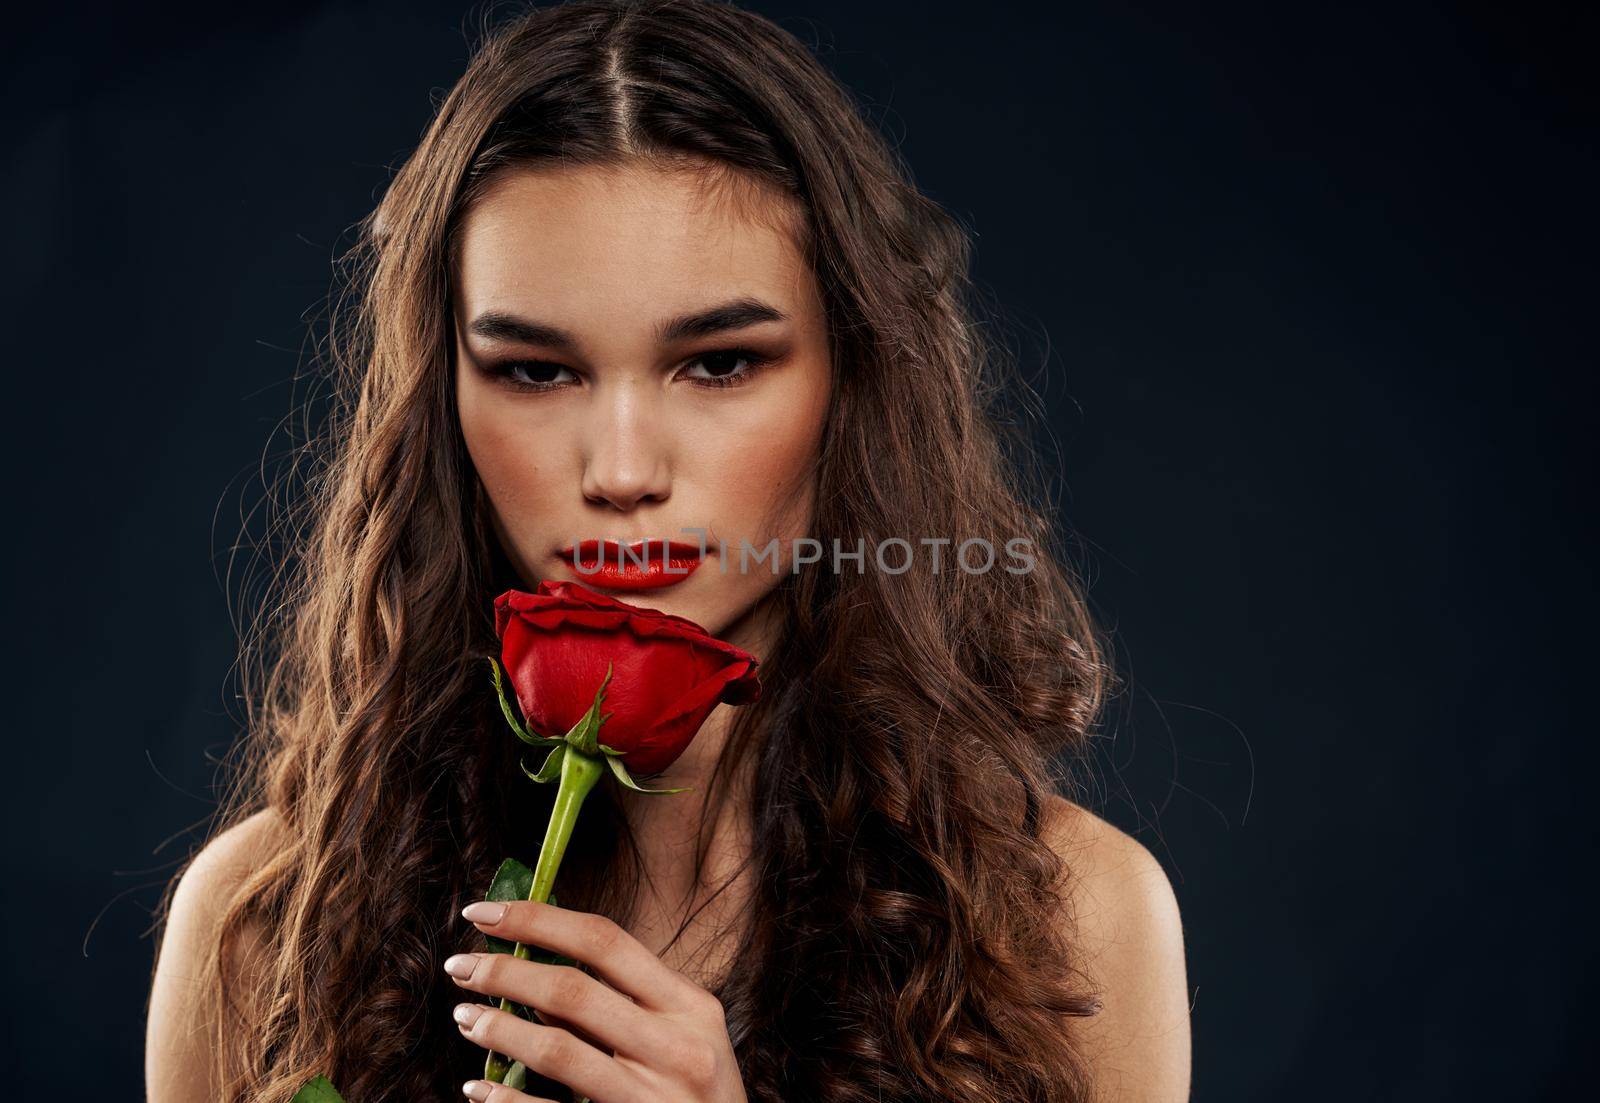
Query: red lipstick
[641, 565]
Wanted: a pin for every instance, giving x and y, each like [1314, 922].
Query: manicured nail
[476, 1089]
[484, 911]
[461, 965]
[467, 1013]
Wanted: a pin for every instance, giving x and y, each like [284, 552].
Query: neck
[667, 827]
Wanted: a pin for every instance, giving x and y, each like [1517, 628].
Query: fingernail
[461, 965]
[484, 911]
[476, 1089]
[467, 1013]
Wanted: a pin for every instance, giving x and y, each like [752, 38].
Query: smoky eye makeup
[727, 361]
[723, 368]
[512, 373]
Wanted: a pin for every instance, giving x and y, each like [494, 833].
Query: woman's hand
[662, 1038]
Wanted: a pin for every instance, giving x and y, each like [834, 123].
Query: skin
[627, 445]
[1129, 935]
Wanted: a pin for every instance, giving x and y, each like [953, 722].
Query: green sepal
[627, 779]
[585, 733]
[550, 771]
[611, 750]
[511, 717]
[319, 1089]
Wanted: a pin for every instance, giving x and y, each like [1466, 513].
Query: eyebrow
[735, 314]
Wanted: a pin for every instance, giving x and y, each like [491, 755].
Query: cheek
[765, 463]
[508, 458]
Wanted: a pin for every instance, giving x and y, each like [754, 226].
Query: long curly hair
[908, 936]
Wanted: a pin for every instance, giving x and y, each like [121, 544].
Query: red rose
[668, 673]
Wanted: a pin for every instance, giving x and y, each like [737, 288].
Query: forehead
[633, 240]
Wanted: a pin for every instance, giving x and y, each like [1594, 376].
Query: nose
[626, 455]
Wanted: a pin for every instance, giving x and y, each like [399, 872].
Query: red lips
[641, 565]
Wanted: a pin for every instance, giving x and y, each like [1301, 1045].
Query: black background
[1309, 296]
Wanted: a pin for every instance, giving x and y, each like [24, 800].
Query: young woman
[650, 277]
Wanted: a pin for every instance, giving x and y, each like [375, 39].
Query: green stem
[579, 773]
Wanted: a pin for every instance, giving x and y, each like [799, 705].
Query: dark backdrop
[1309, 295]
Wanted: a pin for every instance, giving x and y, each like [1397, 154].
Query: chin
[704, 609]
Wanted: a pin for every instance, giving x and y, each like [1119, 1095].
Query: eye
[722, 367]
[536, 371]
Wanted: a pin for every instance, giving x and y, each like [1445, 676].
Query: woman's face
[596, 311]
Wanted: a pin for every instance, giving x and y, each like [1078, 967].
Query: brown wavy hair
[908, 937]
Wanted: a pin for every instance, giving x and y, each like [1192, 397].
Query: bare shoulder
[1130, 937]
[176, 1036]
[236, 851]
[208, 884]
[1109, 866]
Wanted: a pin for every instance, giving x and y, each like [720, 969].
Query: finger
[549, 1019]
[598, 1014]
[486, 1091]
[546, 1050]
[624, 962]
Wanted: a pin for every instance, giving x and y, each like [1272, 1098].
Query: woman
[647, 274]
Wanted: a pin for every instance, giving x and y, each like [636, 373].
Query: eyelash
[506, 369]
